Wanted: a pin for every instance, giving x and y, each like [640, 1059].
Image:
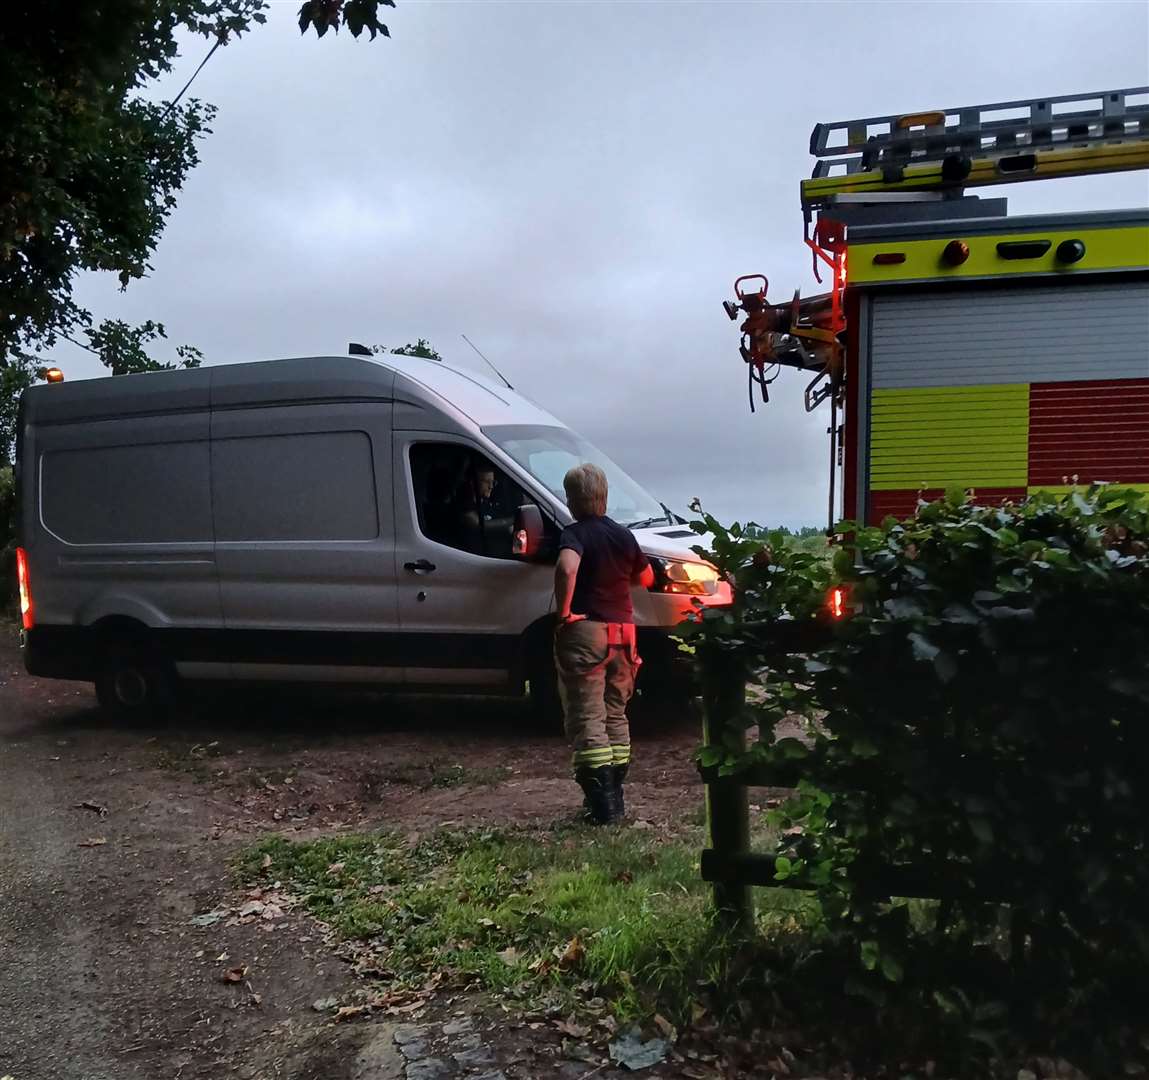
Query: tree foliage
[422, 348]
[90, 169]
[7, 533]
[979, 720]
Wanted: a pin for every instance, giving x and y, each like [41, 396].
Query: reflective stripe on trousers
[596, 663]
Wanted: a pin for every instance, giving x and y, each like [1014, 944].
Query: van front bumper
[666, 670]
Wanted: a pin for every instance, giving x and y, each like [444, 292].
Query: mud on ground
[113, 839]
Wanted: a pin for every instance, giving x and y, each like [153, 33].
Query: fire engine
[956, 344]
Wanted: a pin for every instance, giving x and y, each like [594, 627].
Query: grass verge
[621, 915]
[574, 921]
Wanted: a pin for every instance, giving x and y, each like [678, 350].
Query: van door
[305, 541]
[464, 600]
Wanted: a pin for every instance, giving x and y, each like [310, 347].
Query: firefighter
[595, 651]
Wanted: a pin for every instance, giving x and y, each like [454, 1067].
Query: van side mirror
[527, 541]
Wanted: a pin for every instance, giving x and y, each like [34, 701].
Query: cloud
[575, 187]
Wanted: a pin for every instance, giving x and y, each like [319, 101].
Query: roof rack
[975, 145]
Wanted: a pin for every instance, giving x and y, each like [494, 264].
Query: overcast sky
[575, 186]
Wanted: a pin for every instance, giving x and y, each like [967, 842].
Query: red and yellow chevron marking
[1005, 441]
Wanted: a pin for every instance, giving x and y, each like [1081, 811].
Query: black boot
[598, 787]
[620, 772]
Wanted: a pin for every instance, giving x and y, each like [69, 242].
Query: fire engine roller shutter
[1007, 389]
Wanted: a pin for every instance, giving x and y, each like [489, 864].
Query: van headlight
[684, 578]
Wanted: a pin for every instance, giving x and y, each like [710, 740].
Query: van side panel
[97, 546]
[305, 542]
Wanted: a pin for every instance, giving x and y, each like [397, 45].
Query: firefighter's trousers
[597, 663]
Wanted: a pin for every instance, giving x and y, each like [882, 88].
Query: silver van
[328, 519]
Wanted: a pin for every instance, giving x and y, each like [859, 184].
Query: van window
[463, 500]
[157, 493]
[305, 486]
[547, 452]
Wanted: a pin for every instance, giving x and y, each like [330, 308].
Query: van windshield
[548, 452]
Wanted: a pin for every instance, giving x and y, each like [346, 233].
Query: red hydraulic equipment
[943, 335]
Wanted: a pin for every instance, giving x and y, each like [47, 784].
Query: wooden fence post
[727, 802]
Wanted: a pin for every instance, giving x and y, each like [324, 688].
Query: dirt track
[102, 975]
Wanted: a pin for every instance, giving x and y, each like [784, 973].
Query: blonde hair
[586, 490]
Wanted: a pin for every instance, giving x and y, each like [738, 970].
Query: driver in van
[484, 526]
[595, 651]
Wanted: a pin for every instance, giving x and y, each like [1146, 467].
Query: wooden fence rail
[733, 869]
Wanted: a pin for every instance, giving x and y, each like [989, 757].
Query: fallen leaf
[510, 956]
[572, 955]
[351, 1012]
[234, 975]
[335, 868]
[208, 918]
[632, 1053]
[222, 958]
[86, 805]
[577, 1051]
[94, 841]
[574, 1030]
[324, 1004]
[252, 907]
[666, 1027]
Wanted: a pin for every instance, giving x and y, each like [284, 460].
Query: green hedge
[982, 715]
[7, 535]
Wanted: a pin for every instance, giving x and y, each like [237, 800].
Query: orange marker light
[836, 602]
[920, 120]
[26, 616]
[54, 374]
[955, 253]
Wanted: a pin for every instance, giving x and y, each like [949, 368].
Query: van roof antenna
[487, 362]
[355, 349]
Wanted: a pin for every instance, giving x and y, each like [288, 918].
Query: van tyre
[545, 704]
[134, 685]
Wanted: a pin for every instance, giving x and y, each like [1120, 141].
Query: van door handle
[420, 566]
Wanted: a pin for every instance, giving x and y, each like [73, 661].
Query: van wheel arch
[135, 681]
[537, 665]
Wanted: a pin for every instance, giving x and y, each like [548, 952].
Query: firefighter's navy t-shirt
[610, 558]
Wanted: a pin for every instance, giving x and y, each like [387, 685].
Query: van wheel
[133, 684]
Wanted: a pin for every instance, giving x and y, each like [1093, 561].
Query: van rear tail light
[26, 615]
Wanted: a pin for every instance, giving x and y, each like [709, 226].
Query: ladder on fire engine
[978, 145]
